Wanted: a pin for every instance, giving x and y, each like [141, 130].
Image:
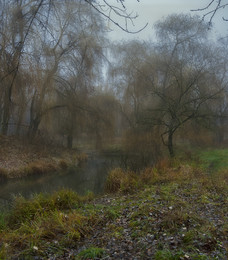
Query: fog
[159, 90]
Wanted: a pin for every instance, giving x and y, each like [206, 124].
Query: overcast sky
[150, 11]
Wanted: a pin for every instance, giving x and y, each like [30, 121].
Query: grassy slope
[173, 211]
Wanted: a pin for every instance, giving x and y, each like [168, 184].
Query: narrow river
[89, 177]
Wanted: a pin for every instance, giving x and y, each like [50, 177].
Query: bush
[140, 150]
[3, 175]
[119, 180]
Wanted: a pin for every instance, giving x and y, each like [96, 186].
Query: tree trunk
[170, 144]
[98, 140]
[33, 128]
[6, 114]
[19, 122]
[70, 134]
[69, 141]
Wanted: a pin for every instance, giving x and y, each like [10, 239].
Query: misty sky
[150, 11]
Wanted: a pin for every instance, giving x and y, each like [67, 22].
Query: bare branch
[216, 5]
[121, 12]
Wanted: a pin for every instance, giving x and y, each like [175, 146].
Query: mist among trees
[63, 82]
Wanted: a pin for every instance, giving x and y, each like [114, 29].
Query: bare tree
[23, 20]
[17, 21]
[177, 79]
[81, 70]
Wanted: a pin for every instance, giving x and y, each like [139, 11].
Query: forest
[63, 81]
[159, 107]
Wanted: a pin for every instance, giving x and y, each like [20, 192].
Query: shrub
[40, 167]
[149, 176]
[114, 180]
[140, 149]
[63, 164]
[119, 180]
[3, 175]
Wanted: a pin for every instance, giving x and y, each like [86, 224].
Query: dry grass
[119, 180]
[32, 225]
[19, 158]
[3, 174]
[166, 171]
[63, 164]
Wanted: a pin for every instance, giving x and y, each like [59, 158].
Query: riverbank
[171, 211]
[19, 158]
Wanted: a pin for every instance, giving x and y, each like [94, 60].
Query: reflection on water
[89, 177]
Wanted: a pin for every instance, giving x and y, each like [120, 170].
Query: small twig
[117, 12]
[213, 11]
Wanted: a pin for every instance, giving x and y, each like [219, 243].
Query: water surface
[89, 177]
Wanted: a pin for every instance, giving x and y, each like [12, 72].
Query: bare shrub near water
[3, 175]
[140, 150]
[165, 171]
[120, 180]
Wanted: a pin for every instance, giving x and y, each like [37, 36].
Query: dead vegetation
[18, 158]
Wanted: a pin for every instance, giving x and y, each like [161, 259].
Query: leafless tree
[176, 79]
[23, 21]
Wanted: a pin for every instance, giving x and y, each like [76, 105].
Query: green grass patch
[168, 255]
[91, 253]
[214, 159]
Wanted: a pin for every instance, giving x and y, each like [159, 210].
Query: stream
[90, 176]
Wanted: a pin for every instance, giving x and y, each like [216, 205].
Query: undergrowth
[170, 211]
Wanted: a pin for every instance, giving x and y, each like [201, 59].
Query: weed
[32, 223]
[2, 221]
[111, 214]
[168, 255]
[3, 251]
[82, 157]
[114, 180]
[118, 180]
[199, 257]
[40, 167]
[42, 204]
[189, 236]
[63, 164]
[174, 219]
[91, 253]
[149, 176]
